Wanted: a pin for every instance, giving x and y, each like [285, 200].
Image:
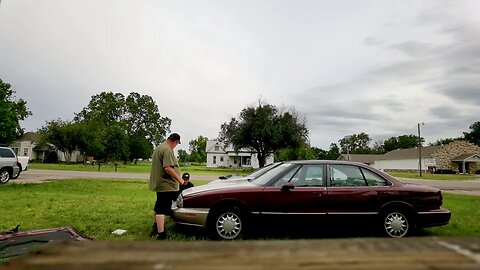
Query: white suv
[9, 168]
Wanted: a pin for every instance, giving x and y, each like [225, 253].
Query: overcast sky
[378, 67]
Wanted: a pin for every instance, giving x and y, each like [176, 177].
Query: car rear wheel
[396, 224]
[4, 176]
[227, 224]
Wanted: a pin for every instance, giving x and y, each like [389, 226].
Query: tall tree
[198, 149]
[355, 143]
[11, 112]
[143, 118]
[302, 152]
[474, 135]
[137, 115]
[264, 129]
[444, 141]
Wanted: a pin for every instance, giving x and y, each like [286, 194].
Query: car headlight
[180, 201]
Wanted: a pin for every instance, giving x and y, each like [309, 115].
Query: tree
[474, 135]
[401, 142]
[143, 118]
[264, 129]
[333, 152]
[116, 143]
[11, 112]
[444, 141]
[198, 149]
[139, 147]
[137, 115]
[183, 156]
[62, 134]
[355, 143]
[302, 152]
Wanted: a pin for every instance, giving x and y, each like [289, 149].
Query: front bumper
[433, 218]
[190, 216]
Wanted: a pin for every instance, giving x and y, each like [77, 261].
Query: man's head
[186, 176]
[173, 140]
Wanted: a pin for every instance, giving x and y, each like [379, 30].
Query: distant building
[220, 156]
[28, 145]
[457, 157]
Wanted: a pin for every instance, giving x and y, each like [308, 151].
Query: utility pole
[420, 150]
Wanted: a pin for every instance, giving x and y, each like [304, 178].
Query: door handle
[317, 194]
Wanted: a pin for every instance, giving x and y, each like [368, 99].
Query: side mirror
[287, 187]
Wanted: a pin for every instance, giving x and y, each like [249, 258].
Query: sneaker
[162, 236]
[153, 231]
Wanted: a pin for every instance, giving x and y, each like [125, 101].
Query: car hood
[234, 179]
[223, 184]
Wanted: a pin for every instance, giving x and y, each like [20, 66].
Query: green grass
[140, 167]
[96, 207]
[430, 176]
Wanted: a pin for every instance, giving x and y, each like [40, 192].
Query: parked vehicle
[9, 166]
[312, 192]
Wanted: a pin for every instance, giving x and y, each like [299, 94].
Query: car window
[261, 171]
[346, 176]
[306, 176]
[7, 153]
[269, 175]
[373, 179]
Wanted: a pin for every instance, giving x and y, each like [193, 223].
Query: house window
[214, 159]
[25, 151]
[221, 159]
[217, 148]
[234, 160]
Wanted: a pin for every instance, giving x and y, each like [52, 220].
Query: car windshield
[267, 176]
[261, 171]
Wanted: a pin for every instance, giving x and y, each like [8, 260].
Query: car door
[354, 192]
[297, 194]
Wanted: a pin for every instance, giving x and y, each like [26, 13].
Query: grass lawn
[96, 207]
[140, 167]
[430, 176]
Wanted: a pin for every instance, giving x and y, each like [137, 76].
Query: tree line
[117, 127]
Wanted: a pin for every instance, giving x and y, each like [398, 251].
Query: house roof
[30, 137]
[362, 158]
[410, 153]
[467, 157]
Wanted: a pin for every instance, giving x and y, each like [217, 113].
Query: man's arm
[170, 171]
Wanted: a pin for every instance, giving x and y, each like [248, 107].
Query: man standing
[164, 180]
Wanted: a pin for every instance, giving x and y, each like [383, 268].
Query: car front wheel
[4, 176]
[227, 224]
[396, 224]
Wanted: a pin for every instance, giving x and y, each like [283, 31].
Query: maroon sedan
[311, 191]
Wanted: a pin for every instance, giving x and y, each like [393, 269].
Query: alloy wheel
[229, 225]
[396, 224]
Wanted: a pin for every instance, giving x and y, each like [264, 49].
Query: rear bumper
[438, 217]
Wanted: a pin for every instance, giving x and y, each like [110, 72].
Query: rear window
[6, 153]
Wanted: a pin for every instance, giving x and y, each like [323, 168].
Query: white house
[220, 156]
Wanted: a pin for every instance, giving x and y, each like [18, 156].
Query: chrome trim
[288, 213]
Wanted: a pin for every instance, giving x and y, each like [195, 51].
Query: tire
[227, 223]
[4, 176]
[396, 224]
